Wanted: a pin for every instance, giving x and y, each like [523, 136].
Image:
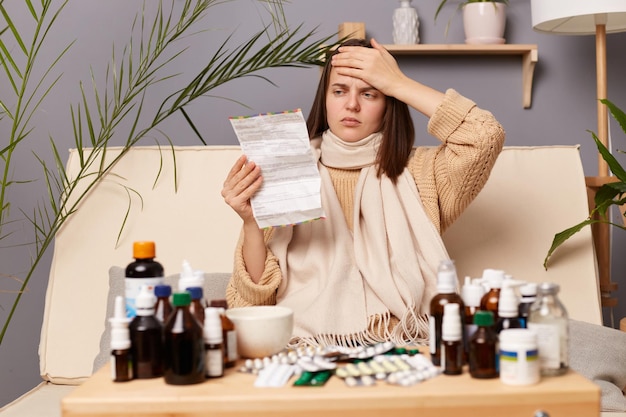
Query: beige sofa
[509, 226]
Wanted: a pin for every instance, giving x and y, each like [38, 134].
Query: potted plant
[484, 21]
[120, 99]
[610, 194]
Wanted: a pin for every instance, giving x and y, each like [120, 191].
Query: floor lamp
[587, 17]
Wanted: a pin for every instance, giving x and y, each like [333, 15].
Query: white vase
[484, 22]
[405, 24]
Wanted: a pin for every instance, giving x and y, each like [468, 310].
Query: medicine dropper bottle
[447, 283]
[483, 347]
[146, 335]
[144, 270]
[452, 340]
[163, 307]
[489, 302]
[197, 307]
[471, 292]
[549, 320]
[121, 357]
[508, 307]
[183, 344]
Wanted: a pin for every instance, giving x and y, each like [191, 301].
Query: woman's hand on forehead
[375, 66]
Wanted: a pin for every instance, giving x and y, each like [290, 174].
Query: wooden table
[234, 395]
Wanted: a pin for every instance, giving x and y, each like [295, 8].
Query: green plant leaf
[563, 236]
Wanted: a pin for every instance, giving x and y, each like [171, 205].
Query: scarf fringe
[411, 330]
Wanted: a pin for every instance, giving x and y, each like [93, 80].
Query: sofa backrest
[532, 193]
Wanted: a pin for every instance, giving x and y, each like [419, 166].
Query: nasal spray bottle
[189, 277]
[528, 292]
[471, 292]
[493, 279]
[508, 306]
[121, 359]
[452, 340]
[447, 283]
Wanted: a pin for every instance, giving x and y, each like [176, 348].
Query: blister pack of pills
[403, 369]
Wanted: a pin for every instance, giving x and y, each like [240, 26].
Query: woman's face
[354, 108]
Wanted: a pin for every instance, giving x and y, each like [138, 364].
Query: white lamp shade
[578, 17]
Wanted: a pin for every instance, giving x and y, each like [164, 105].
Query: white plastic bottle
[213, 343]
[189, 277]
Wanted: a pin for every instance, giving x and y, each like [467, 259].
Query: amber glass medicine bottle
[146, 335]
[197, 306]
[483, 347]
[144, 270]
[183, 344]
[121, 358]
[452, 340]
[491, 299]
[229, 333]
[446, 287]
[163, 306]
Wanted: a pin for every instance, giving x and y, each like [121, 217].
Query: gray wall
[563, 107]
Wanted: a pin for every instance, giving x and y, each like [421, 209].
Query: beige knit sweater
[448, 178]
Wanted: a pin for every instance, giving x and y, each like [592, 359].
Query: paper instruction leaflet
[279, 144]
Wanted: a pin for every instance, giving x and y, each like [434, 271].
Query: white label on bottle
[432, 343]
[133, 286]
[549, 343]
[214, 362]
[231, 337]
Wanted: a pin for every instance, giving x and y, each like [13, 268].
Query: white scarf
[344, 287]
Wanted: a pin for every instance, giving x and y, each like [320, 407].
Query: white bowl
[261, 330]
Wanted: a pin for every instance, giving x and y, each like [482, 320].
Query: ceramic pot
[484, 22]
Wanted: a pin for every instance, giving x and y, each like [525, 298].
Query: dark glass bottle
[446, 287]
[529, 295]
[471, 293]
[121, 357]
[163, 307]
[184, 344]
[197, 307]
[229, 334]
[508, 308]
[490, 301]
[146, 335]
[144, 270]
[483, 353]
[452, 340]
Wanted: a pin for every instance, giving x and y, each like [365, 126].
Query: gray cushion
[214, 288]
[599, 354]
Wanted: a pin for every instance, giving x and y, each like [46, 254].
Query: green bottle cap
[483, 318]
[181, 299]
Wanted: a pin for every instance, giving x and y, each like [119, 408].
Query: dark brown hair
[397, 128]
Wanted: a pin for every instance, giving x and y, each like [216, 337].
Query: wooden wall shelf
[528, 52]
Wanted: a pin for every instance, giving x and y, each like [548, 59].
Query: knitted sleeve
[242, 291]
[451, 175]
